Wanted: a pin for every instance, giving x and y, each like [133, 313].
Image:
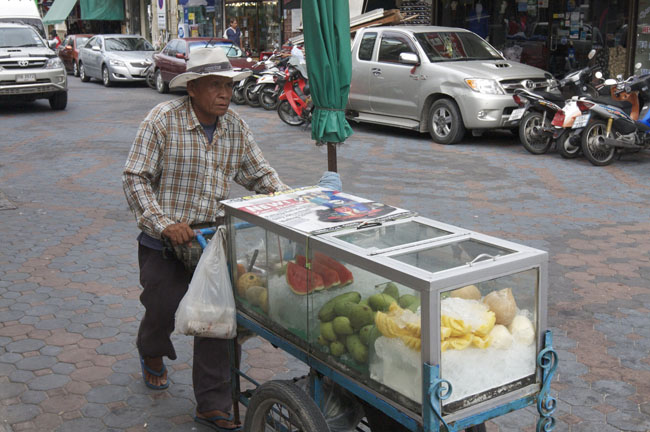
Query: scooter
[611, 129]
[295, 107]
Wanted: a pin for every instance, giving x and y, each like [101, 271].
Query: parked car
[69, 51]
[115, 57]
[29, 69]
[439, 80]
[172, 60]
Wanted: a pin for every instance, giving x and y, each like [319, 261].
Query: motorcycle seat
[642, 126]
[552, 97]
[624, 105]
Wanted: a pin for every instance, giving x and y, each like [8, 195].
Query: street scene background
[69, 308]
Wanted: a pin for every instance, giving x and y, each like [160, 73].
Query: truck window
[366, 46]
[391, 46]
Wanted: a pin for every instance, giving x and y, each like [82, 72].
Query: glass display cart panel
[389, 236]
[451, 255]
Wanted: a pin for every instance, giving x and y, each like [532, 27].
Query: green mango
[361, 315]
[391, 290]
[342, 326]
[373, 336]
[327, 331]
[337, 349]
[343, 308]
[380, 302]
[327, 312]
[322, 341]
[357, 349]
[364, 302]
[407, 300]
[413, 307]
[364, 333]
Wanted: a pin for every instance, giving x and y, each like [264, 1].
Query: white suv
[29, 69]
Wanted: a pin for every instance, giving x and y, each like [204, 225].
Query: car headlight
[482, 85]
[54, 63]
[114, 62]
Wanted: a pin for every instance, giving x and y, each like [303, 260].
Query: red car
[68, 51]
[172, 60]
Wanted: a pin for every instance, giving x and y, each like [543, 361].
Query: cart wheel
[477, 428]
[281, 406]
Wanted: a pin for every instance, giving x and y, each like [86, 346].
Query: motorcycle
[267, 80]
[537, 133]
[611, 128]
[295, 107]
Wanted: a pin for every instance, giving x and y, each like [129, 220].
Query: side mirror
[96, 48]
[51, 44]
[409, 58]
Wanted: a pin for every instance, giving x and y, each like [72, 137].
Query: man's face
[210, 95]
[234, 24]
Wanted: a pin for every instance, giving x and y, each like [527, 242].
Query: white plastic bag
[208, 307]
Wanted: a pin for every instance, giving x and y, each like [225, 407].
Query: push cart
[435, 326]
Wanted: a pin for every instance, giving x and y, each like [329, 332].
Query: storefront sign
[161, 14]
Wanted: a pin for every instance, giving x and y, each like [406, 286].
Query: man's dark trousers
[165, 282]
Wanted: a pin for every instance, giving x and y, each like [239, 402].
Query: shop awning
[112, 10]
[59, 11]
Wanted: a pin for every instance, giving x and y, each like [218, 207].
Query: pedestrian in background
[56, 38]
[233, 33]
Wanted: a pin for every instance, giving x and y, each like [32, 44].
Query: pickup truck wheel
[445, 122]
[59, 101]
[82, 73]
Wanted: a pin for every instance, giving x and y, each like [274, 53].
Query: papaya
[345, 275]
[327, 312]
[329, 276]
[301, 281]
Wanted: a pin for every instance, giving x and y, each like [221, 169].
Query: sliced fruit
[301, 281]
[345, 275]
[330, 277]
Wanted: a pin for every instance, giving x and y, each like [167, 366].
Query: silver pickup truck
[439, 80]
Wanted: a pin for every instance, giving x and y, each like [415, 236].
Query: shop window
[367, 45]
[392, 45]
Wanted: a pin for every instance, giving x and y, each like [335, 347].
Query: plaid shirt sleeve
[255, 173]
[143, 168]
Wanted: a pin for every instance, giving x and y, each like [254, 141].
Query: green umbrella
[326, 25]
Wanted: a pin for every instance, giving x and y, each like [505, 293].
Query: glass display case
[376, 294]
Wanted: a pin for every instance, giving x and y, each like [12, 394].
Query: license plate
[517, 114]
[581, 121]
[23, 78]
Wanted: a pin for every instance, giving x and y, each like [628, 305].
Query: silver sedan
[115, 58]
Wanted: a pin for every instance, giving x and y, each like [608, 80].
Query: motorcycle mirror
[591, 54]
[610, 82]
[598, 74]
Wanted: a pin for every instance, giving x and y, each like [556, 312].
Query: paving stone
[33, 397]
[181, 391]
[629, 421]
[82, 425]
[25, 345]
[616, 388]
[581, 396]
[6, 369]
[42, 310]
[94, 410]
[181, 377]
[20, 413]
[12, 315]
[36, 362]
[10, 390]
[63, 368]
[116, 348]
[107, 393]
[120, 379]
[88, 318]
[52, 324]
[29, 320]
[63, 403]
[171, 408]
[48, 382]
[100, 332]
[50, 350]
[21, 376]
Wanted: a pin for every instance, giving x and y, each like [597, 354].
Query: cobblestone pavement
[69, 290]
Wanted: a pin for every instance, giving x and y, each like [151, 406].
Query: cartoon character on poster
[341, 209]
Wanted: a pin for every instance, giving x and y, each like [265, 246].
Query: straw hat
[206, 62]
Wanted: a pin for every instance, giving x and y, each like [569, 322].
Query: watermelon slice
[330, 277]
[345, 275]
[297, 279]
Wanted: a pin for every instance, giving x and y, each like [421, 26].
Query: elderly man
[183, 160]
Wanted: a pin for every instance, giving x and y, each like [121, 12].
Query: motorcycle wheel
[250, 97]
[565, 148]
[532, 141]
[267, 100]
[597, 153]
[288, 115]
[238, 96]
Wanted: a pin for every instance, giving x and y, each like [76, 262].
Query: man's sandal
[211, 423]
[150, 371]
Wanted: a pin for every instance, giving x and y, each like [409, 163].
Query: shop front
[202, 18]
[260, 23]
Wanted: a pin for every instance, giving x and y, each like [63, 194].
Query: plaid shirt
[173, 174]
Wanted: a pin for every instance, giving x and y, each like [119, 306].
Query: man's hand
[179, 233]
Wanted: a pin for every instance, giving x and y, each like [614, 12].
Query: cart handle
[481, 257]
[200, 233]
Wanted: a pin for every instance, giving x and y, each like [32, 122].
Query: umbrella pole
[331, 157]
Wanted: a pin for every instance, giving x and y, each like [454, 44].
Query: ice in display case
[375, 292]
